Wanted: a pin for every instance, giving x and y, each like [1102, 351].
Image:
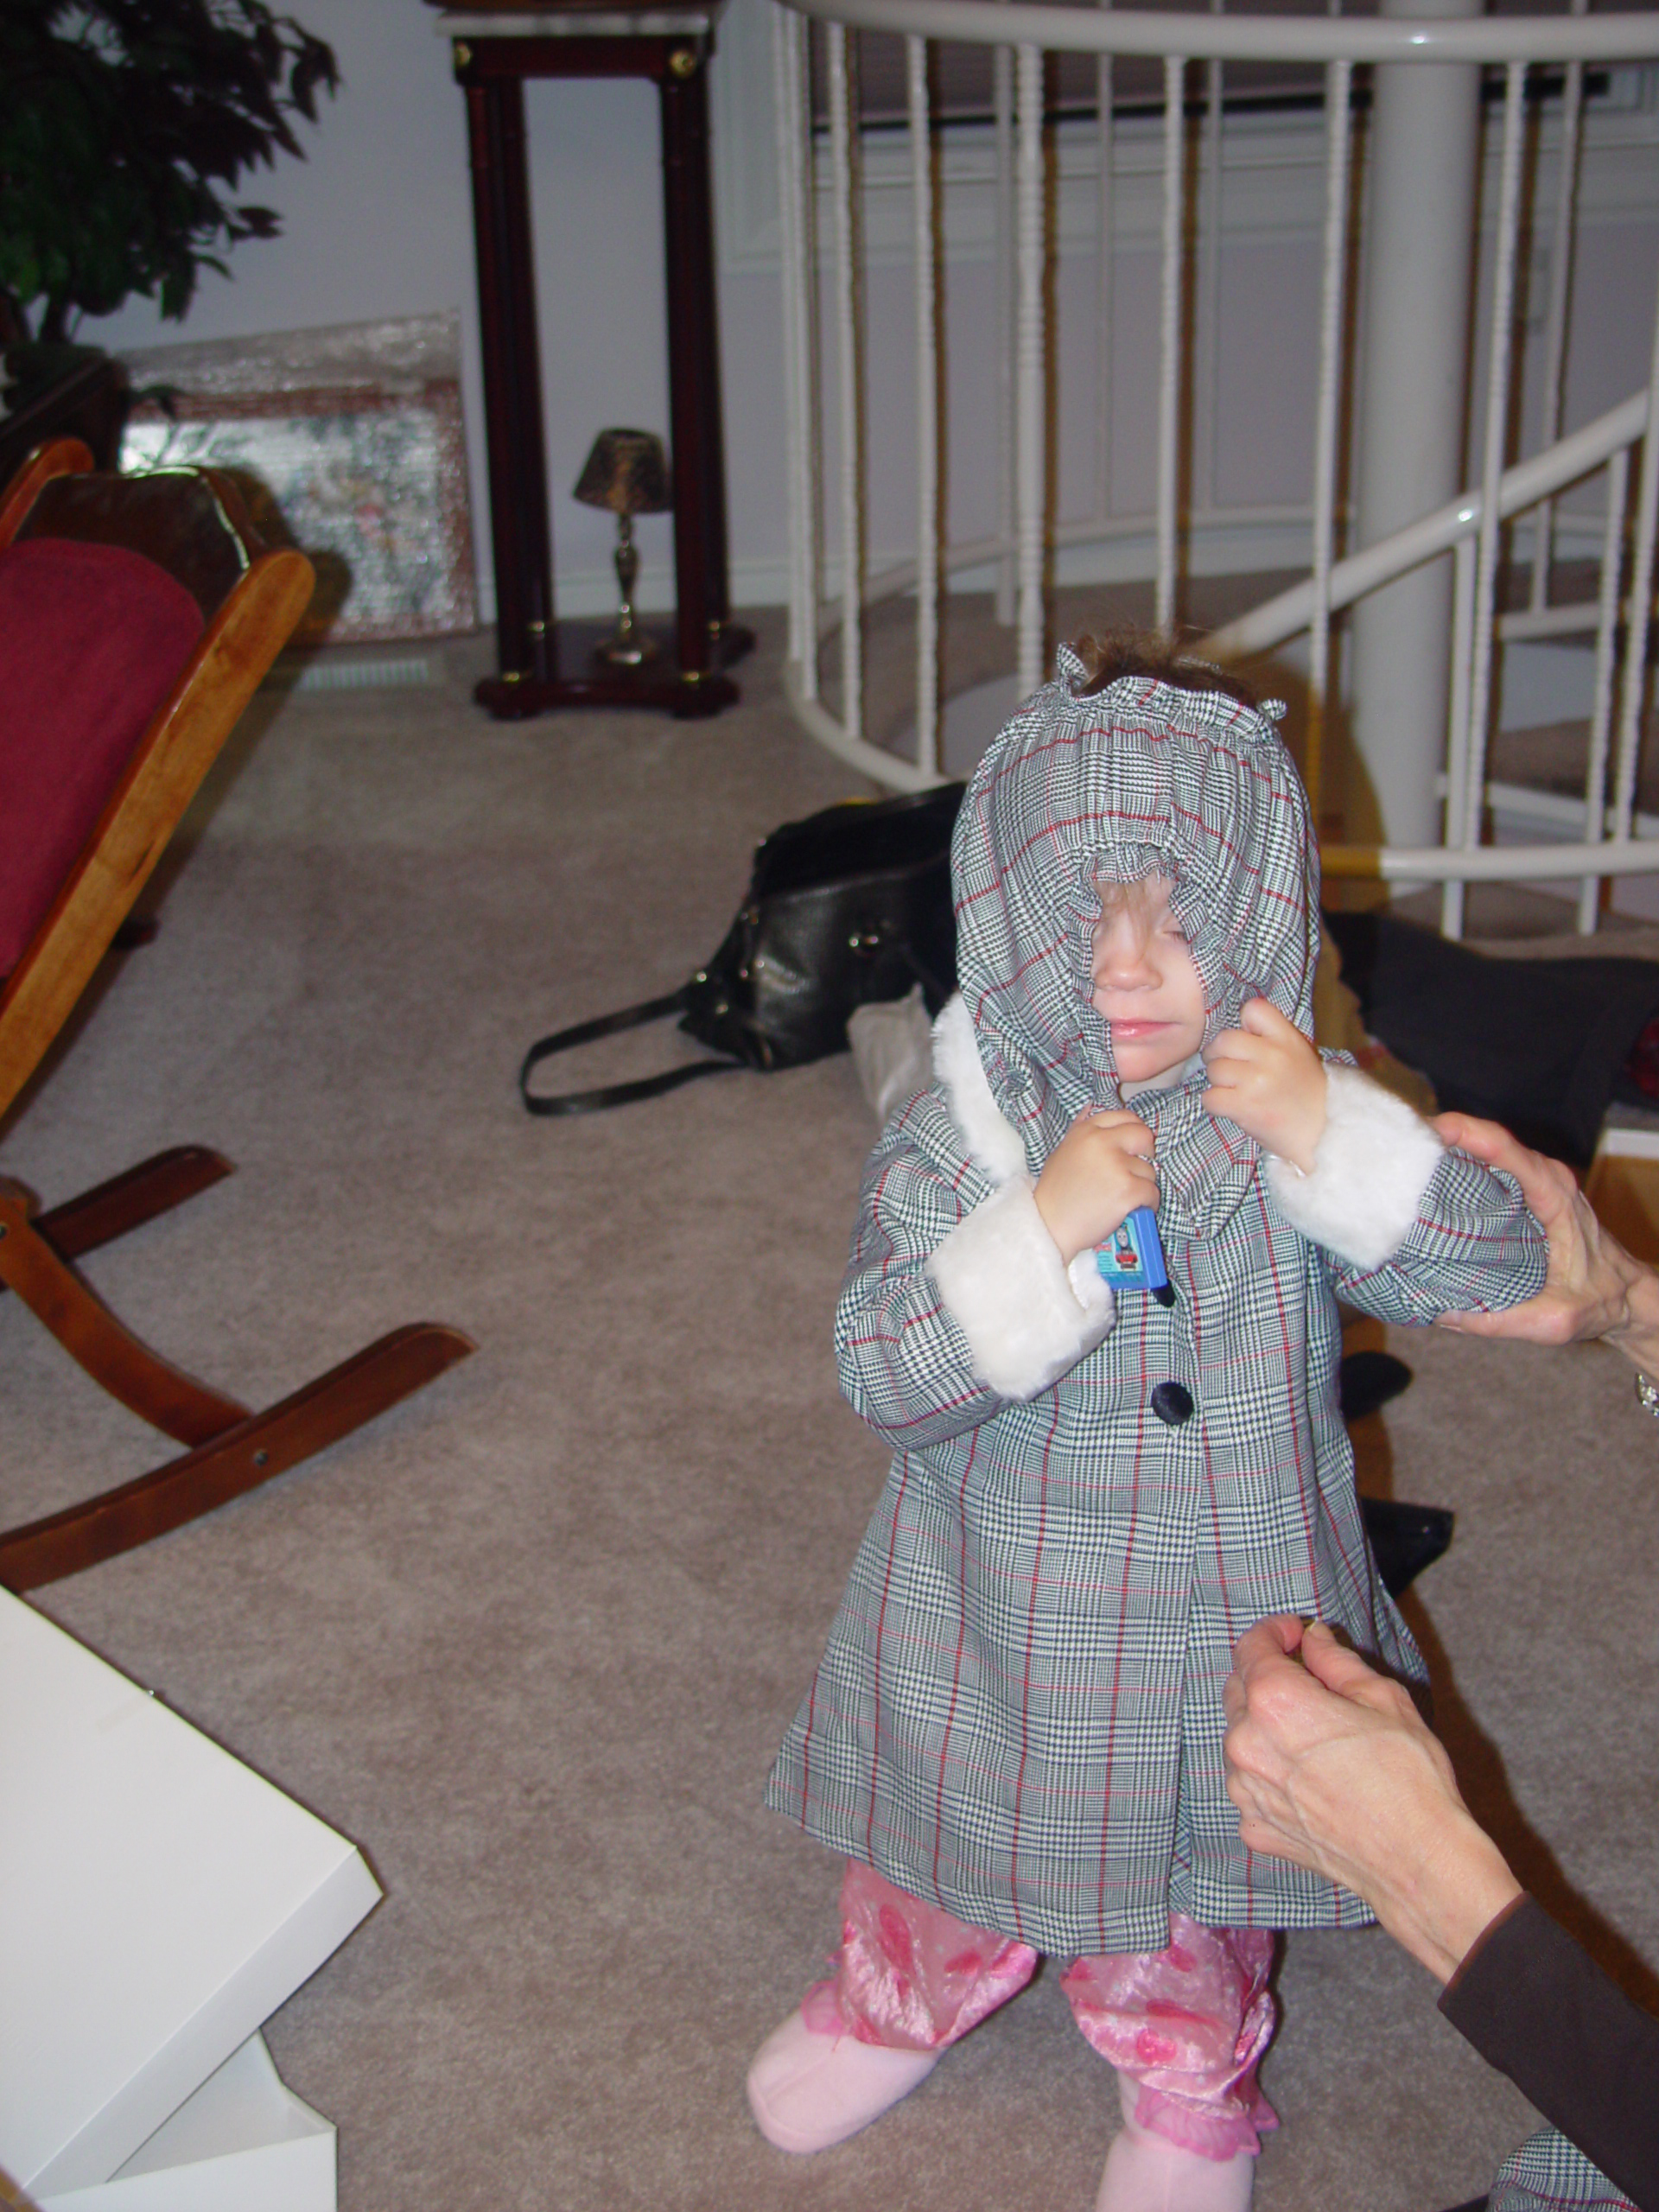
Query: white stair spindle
[790, 52]
[1338, 128]
[1169, 363]
[1029, 455]
[1497, 416]
[783, 19]
[1601, 701]
[1560, 294]
[843, 168]
[1105, 226]
[1640, 612]
[927, 412]
[1457, 733]
[1207, 374]
[809, 397]
[1004, 337]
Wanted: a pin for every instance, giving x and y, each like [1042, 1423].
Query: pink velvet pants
[1185, 2027]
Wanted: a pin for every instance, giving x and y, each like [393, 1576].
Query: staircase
[1047, 212]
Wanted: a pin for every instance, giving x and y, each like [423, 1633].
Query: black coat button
[1173, 1403]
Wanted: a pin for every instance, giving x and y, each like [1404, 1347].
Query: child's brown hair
[1126, 650]
[1134, 899]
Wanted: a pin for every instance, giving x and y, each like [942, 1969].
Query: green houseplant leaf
[126, 127]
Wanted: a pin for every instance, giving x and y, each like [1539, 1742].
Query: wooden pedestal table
[544, 663]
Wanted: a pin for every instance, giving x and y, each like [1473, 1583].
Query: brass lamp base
[628, 646]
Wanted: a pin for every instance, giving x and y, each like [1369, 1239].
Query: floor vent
[401, 673]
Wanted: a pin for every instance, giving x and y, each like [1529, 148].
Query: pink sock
[1147, 2172]
[814, 2083]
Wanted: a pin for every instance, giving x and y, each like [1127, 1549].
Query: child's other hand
[1267, 1077]
[1095, 1178]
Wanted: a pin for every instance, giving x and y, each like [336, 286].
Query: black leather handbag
[848, 907]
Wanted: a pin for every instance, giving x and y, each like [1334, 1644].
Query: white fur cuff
[995, 1144]
[1027, 1317]
[1374, 1160]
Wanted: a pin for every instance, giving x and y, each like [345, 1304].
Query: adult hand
[1594, 1289]
[1331, 1767]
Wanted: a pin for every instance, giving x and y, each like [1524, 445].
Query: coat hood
[1139, 779]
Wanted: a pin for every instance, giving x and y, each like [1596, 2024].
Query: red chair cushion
[92, 639]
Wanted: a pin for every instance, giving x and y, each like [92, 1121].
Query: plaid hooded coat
[1018, 1716]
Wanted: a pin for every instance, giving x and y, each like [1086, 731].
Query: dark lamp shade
[626, 472]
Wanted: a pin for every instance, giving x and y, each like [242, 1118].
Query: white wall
[377, 221]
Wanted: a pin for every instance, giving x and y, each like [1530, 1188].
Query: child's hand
[1267, 1077]
[1095, 1178]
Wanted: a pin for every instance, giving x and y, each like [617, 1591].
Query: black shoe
[1405, 1539]
[1366, 1380]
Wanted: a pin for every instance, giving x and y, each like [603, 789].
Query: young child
[1014, 1736]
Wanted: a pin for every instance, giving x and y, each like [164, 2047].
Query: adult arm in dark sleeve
[1537, 2007]
[1332, 1766]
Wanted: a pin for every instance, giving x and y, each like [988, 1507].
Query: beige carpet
[531, 1640]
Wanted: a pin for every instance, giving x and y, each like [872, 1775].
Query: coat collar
[1204, 1167]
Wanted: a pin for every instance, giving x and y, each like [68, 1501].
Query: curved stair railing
[826, 516]
[1608, 846]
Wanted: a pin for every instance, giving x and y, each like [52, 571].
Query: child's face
[1147, 989]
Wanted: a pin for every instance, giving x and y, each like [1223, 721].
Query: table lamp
[626, 472]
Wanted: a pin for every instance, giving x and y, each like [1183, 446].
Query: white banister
[1155, 34]
[1288, 613]
[1502, 863]
[1026, 177]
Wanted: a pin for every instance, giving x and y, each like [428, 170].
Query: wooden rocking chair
[138, 615]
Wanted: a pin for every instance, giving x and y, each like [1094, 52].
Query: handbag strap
[614, 1094]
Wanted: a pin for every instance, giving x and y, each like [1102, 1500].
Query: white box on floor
[158, 1901]
[244, 2143]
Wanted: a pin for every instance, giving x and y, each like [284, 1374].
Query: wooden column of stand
[520, 530]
